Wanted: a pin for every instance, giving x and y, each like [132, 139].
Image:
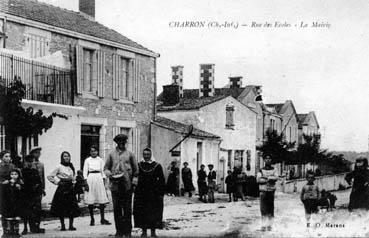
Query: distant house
[215, 110]
[172, 142]
[73, 65]
[308, 125]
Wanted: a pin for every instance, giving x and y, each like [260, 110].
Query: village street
[186, 217]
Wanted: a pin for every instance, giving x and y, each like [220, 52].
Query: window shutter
[136, 80]
[131, 80]
[136, 141]
[79, 68]
[100, 73]
[116, 84]
[115, 131]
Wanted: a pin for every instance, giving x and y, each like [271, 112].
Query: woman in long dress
[149, 193]
[360, 189]
[93, 170]
[173, 179]
[64, 203]
[187, 179]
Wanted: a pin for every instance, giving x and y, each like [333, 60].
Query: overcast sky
[321, 70]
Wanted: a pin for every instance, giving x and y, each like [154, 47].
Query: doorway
[90, 135]
[221, 174]
[199, 155]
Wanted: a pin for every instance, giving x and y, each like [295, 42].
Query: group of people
[22, 188]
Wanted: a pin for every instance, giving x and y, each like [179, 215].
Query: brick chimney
[170, 95]
[87, 7]
[207, 80]
[177, 78]
[235, 82]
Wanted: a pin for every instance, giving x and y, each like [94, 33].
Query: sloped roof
[276, 106]
[182, 128]
[194, 93]
[191, 103]
[66, 19]
[301, 119]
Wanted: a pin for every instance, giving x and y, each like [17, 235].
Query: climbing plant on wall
[20, 121]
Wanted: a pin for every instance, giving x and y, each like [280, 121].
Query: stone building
[217, 111]
[102, 81]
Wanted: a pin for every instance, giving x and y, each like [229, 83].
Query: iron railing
[44, 82]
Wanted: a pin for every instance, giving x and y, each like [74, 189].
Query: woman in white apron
[93, 170]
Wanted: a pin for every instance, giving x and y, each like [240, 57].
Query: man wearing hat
[35, 152]
[122, 170]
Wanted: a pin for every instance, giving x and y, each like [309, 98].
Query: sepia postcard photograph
[184, 118]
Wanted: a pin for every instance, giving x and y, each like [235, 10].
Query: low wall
[327, 182]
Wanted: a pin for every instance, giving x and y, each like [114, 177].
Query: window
[38, 45]
[2, 137]
[88, 84]
[238, 158]
[124, 77]
[248, 160]
[230, 117]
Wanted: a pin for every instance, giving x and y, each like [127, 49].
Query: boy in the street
[310, 196]
[230, 185]
[266, 179]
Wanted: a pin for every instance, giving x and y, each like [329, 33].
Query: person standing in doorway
[93, 170]
[122, 170]
[201, 183]
[35, 152]
[267, 178]
[187, 179]
[211, 183]
[64, 203]
[173, 179]
[148, 202]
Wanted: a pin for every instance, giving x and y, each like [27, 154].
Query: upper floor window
[125, 72]
[89, 84]
[38, 45]
[238, 158]
[230, 117]
[248, 160]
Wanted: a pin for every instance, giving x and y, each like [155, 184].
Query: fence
[327, 182]
[43, 82]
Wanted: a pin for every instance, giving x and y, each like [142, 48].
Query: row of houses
[236, 114]
[105, 84]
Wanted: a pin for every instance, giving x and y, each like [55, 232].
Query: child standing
[211, 183]
[266, 179]
[12, 198]
[230, 185]
[81, 185]
[310, 196]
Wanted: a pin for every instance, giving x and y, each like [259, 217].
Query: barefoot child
[310, 196]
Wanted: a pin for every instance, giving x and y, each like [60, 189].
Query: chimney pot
[207, 88]
[87, 7]
[235, 82]
[177, 78]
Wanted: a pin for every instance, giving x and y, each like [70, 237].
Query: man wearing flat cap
[35, 154]
[122, 170]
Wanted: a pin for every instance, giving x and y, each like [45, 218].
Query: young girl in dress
[64, 203]
[12, 198]
[93, 170]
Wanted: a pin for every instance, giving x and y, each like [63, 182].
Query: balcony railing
[43, 82]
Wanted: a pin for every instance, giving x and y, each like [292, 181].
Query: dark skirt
[359, 199]
[65, 203]
[172, 184]
[188, 185]
[203, 188]
[148, 210]
[267, 203]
